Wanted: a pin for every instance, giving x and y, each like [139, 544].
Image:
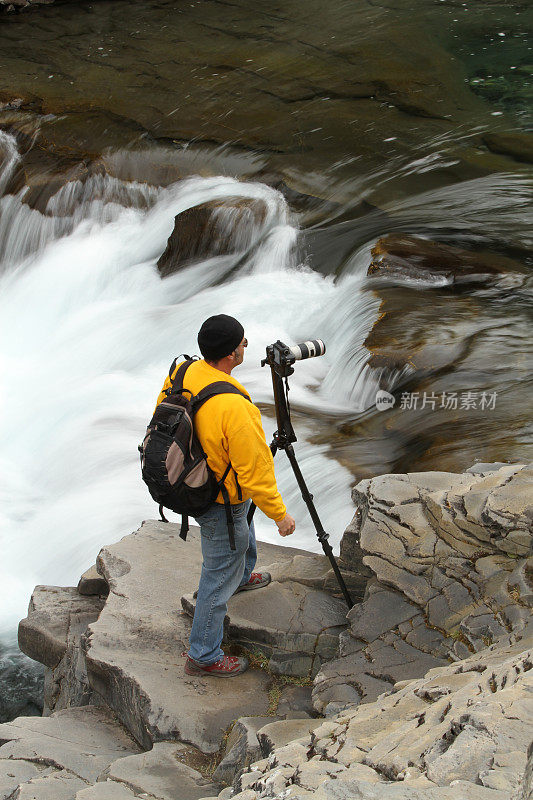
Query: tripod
[282, 440]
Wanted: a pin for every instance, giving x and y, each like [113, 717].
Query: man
[230, 431]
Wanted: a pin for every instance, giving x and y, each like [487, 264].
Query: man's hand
[286, 526]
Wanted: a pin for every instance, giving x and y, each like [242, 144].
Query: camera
[281, 356]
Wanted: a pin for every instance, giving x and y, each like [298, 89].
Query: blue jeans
[223, 570]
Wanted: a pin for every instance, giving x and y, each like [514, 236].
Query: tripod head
[280, 357]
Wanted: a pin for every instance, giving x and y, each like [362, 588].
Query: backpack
[173, 463]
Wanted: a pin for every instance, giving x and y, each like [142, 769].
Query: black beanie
[219, 336]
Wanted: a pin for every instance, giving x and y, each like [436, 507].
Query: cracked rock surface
[459, 733]
[85, 753]
[452, 565]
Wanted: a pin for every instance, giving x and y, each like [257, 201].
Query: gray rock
[160, 772]
[108, 790]
[359, 790]
[278, 734]
[526, 789]
[482, 468]
[291, 622]
[13, 773]
[134, 650]
[242, 748]
[60, 785]
[83, 741]
[382, 611]
[92, 583]
[315, 571]
[456, 734]
[449, 554]
[295, 701]
[56, 615]
[51, 633]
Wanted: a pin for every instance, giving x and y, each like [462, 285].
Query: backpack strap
[212, 389]
[229, 515]
[177, 383]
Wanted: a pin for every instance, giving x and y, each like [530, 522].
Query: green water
[350, 90]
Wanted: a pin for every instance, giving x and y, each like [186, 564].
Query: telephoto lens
[310, 349]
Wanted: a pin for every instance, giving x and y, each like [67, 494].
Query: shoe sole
[247, 588]
[196, 673]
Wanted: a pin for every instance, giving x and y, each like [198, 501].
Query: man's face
[239, 352]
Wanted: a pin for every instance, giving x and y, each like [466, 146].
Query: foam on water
[88, 330]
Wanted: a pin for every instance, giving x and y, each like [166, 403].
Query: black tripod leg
[323, 537]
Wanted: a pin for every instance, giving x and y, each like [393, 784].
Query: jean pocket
[208, 527]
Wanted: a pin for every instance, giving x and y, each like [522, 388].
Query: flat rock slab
[160, 772]
[82, 741]
[60, 785]
[13, 773]
[107, 790]
[134, 650]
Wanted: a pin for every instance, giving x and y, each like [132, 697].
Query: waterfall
[89, 330]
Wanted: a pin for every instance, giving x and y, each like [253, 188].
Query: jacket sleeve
[252, 460]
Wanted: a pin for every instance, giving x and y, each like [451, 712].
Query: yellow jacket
[229, 429]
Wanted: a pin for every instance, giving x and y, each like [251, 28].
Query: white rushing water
[88, 331]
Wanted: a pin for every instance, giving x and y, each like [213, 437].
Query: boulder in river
[215, 228]
[404, 257]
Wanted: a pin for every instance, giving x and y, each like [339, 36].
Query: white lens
[309, 349]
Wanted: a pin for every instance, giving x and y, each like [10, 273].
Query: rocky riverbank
[420, 692]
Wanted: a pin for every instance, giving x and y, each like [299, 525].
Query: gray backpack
[173, 463]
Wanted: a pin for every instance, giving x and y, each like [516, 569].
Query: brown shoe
[256, 581]
[225, 667]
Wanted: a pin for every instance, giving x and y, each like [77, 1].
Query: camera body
[281, 356]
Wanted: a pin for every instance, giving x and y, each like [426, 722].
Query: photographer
[230, 431]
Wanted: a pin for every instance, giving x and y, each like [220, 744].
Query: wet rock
[215, 228]
[517, 145]
[401, 256]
